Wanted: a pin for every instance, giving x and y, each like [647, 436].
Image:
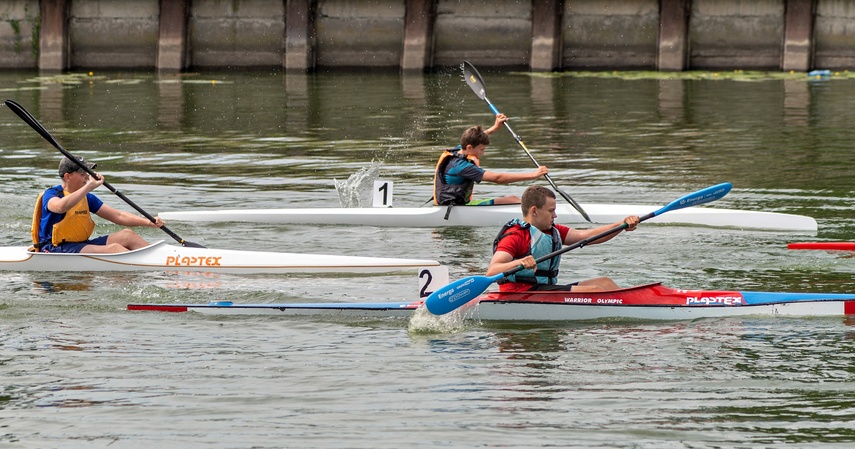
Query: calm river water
[80, 371]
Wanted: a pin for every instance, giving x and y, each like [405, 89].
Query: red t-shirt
[516, 243]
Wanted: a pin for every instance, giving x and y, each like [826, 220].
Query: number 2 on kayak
[431, 278]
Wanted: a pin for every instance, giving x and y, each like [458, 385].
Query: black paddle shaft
[703, 196]
[30, 120]
[579, 244]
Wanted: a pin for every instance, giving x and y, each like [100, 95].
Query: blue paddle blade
[702, 196]
[458, 293]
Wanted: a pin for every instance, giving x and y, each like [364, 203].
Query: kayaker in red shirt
[521, 242]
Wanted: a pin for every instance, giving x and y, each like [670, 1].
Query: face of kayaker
[477, 151]
[75, 180]
[543, 217]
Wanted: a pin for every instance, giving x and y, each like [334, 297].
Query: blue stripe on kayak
[324, 305]
[758, 298]
[751, 298]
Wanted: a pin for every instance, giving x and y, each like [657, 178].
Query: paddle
[30, 120]
[458, 293]
[474, 80]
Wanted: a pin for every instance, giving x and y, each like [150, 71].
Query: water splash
[424, 322]
[357, 189]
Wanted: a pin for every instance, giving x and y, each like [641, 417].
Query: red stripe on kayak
[826, 246]
[849, 307]
[157, 308]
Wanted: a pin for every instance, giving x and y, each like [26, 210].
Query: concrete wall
[609, 34]
[366, 33]
[736, 34]
[834, 35]
[416, 35]
[495, 33]
[236, 33]
[19, 33]
[107, 33]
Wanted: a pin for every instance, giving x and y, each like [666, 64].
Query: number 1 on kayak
[382, 193]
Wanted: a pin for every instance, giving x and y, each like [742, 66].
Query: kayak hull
[646, 302]
[480, 216]
[162, 257]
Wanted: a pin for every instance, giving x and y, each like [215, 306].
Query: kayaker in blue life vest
[458, 170]
[62, 222]
[521, 242]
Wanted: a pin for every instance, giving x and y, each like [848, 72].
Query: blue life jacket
[540, 244]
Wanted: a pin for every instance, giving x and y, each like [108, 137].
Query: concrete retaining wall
[236, 32]
[416, 35]
[359, 34]
[106, 33]
[19, 33]
[484, 33]
[604, 33]
[736, 34]
[834, 35]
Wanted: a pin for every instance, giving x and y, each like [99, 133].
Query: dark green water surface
[78, 370]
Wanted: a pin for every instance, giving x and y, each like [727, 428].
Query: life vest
[454, 194]
[75, 226]
[540, 244]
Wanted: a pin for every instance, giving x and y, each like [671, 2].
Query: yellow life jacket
[76, 226]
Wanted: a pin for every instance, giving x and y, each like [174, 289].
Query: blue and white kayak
[644, 302]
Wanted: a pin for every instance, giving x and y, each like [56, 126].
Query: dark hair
[66, 165]
[535, 196]
[474, 136]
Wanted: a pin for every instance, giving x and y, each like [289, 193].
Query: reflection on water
[796, 103]
[592, 131]
[671, 100]
[59, 287]
[170, 96]
[533, 345]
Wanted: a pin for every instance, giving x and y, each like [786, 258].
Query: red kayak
[643, 302]
[824, 246]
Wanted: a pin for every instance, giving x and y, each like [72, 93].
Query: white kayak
[162, 257]
[495, 216]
